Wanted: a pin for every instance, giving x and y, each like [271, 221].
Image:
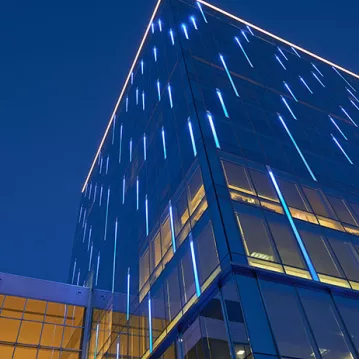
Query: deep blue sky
[62, 65]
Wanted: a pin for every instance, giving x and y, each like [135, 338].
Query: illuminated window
[342, 210]
[237, 177]
[196, 190]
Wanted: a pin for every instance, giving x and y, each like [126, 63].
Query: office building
[222, 206]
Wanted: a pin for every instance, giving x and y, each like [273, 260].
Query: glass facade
[223, 203]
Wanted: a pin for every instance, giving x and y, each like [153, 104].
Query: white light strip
[318, 79]
[170, 94]
[97, 268]
[144, 147]
[84, 234]
[113, 129]
[143, 101]
[281, 51]
[114, 257]
[100, 200]
[347, 114]
[130, 149]
[281, 63]
[345, 78]
[194, 264]
[316, 68]
[193, 20]
[250, 30]
[128, 294]
[123, 188]
[354, 104]
[306, 85]
[229, 75]
[137, 193]
[172, 37]
[214, 133]
[341, 148]
[164, 142]
[337, 127]
[288, 107]
[295, 51]
[159, 90]
[146, 214]
[106, 218]
[120, 150]
[90, 259]
[73, 272]
[155, 53]
[173, 235]
[224, 108]
[244, 35]
[244, 52]
[184, 28]
[192, 137]
[290, 91]
[89, 240]
[351, 93]
[201, 10]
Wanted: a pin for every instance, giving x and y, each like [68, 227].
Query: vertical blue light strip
[84, 234]
[201, 10]
[297, 148]
[113, 129]
[155, 53]
[108, 201]
[159, 90]
[137, 193]
[283, 54]
[281, 63]
[146, 214]
[250, 29]
[90, 259]
[347, 114]
[81, 209]
[90, 190]
[244, 52]
[184, 28]
[142, 67]
[351, 93]
[305, 84]
[96, 340]
[194, 264]
[316, 68]
[78, 277]
[295, 51]
[344, 79]
[136, 95]
[317, 78]
[172, 37]
[354, 104]
[229, 75]
[94, 194]
[131, 78]
[73, 272]
[84, 218]
[192, 137]
[341, 149]
[118, 349]
[245, 36]
[214, 133]
[107, 163]
[173, 236]
[144, 147]
[150, 323]
[170, 95]
[97, 268]
[100, 200]
[120, 150]
[153, 27]
[126, 103]
[130, 149]
[290, 91]
[294, 228]
[114, 257]
[89, 240]
[123, 188]
[193, 20]
[101, 163]
[143, 101]
[160, 24]
[222, 103]
[164, 142]
[337, 127]
[128, 294]
[288, 107]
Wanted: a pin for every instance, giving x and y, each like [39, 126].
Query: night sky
[62, 66]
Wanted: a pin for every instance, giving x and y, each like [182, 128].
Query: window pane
[6, 351]
[347, 257]
[173, 294]
[342, 210]
[287, 322]
[286, 243]
[55, 313]
[74, 316]
[181, 213]
[237, 177]
[48, 354]
[355, 207]
[72, 338]
[263, 185]
[9, 329]
[51, 335]
[187, 276]
[22, 353]
[319, 253]
[13, 307]
[166, 235]
[196, 190]
[324, 324]
[319, 203]
[207, 252]
[292, 195]
[144, 268]
[256, 237]
[35, 310]
[156, 254]
[30, 332]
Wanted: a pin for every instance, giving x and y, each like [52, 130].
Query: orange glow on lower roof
[222, 12]
[277, 38]
[122, 92]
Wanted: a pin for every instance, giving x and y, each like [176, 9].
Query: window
[35, 310]
[196, 190]
[13, 307]
[144, 268]
[286, 320]
[342, 210]
[263, 185]
[324, 324]
[319, 203]
[256, 237]
[237, 177]
[30, 332]
[187, 276]
[156, 253]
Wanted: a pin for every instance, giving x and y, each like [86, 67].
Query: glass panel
[51, 335]
[9, 329]
[256, 237]
[74, 316]
[144, 268]
[13, 307]
[55, 313]
[25, 353]
[237, 177]
[355, 207]
[319, 253]
[347, 257]
[35, 310]
[173, 294]
[196, 190]
[207, 252]
[263, 185]
[30, 333]
[285, 241]
[166, 235]
[319, 203]
[292, 195]
[342, 210]
[181, 213]
[156, 254]
[6, 351]
[286, 320]
[324, 324]
[187, 276]
[49, 354]
[72, 338]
